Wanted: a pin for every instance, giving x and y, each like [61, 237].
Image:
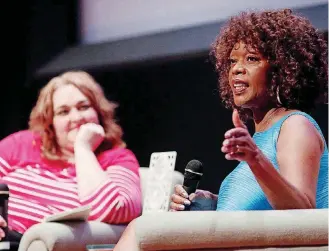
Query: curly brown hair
[296, 51]
[41, 117]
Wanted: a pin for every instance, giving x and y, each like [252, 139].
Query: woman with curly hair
[272, 68]
[73, 155]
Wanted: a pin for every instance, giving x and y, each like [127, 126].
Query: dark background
[165, 104]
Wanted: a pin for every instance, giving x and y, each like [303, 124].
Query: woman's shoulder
[301, 123]
[116, 151]
[293, 119]
[23, 136]
[120, 156]
[297, 119]
[20, 147]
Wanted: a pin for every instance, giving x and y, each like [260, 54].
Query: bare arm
[114, 194]
[299, 153]
[299, 150]
[90, 174]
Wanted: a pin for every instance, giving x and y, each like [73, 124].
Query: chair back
[177, 178]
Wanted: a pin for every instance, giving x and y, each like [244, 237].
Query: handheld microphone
[192, 175]
[4, 195]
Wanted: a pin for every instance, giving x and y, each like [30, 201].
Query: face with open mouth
[248, 76]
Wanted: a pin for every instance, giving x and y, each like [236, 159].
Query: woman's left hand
[238, 144]
[90, 136]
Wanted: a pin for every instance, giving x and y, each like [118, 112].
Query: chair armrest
[65, 236]
[224, 229]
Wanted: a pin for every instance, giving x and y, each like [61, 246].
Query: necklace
[265, 122]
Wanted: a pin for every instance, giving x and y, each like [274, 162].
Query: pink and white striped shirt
[40, 187]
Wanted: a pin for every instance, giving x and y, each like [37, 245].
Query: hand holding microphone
[3, 224]
[188, 192]
[4, 195]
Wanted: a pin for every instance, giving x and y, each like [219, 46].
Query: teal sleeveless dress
[240, 190]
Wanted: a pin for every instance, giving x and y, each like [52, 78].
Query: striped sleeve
[119, 198]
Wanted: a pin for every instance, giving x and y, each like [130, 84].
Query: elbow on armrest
[121, 210]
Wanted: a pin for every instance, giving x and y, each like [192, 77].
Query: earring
[278, 96]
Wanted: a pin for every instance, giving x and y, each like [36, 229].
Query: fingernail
[182, 207]
[185, 195]
[187, 202]
[225, 143]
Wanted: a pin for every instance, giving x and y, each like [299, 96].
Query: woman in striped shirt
[72, 155]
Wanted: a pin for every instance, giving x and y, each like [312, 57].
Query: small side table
[100, 247]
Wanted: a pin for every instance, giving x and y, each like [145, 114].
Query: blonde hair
[41, 117]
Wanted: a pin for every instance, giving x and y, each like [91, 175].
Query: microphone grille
[194, 166]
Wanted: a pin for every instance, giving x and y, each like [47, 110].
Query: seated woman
[272, 67]
[72, 155]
